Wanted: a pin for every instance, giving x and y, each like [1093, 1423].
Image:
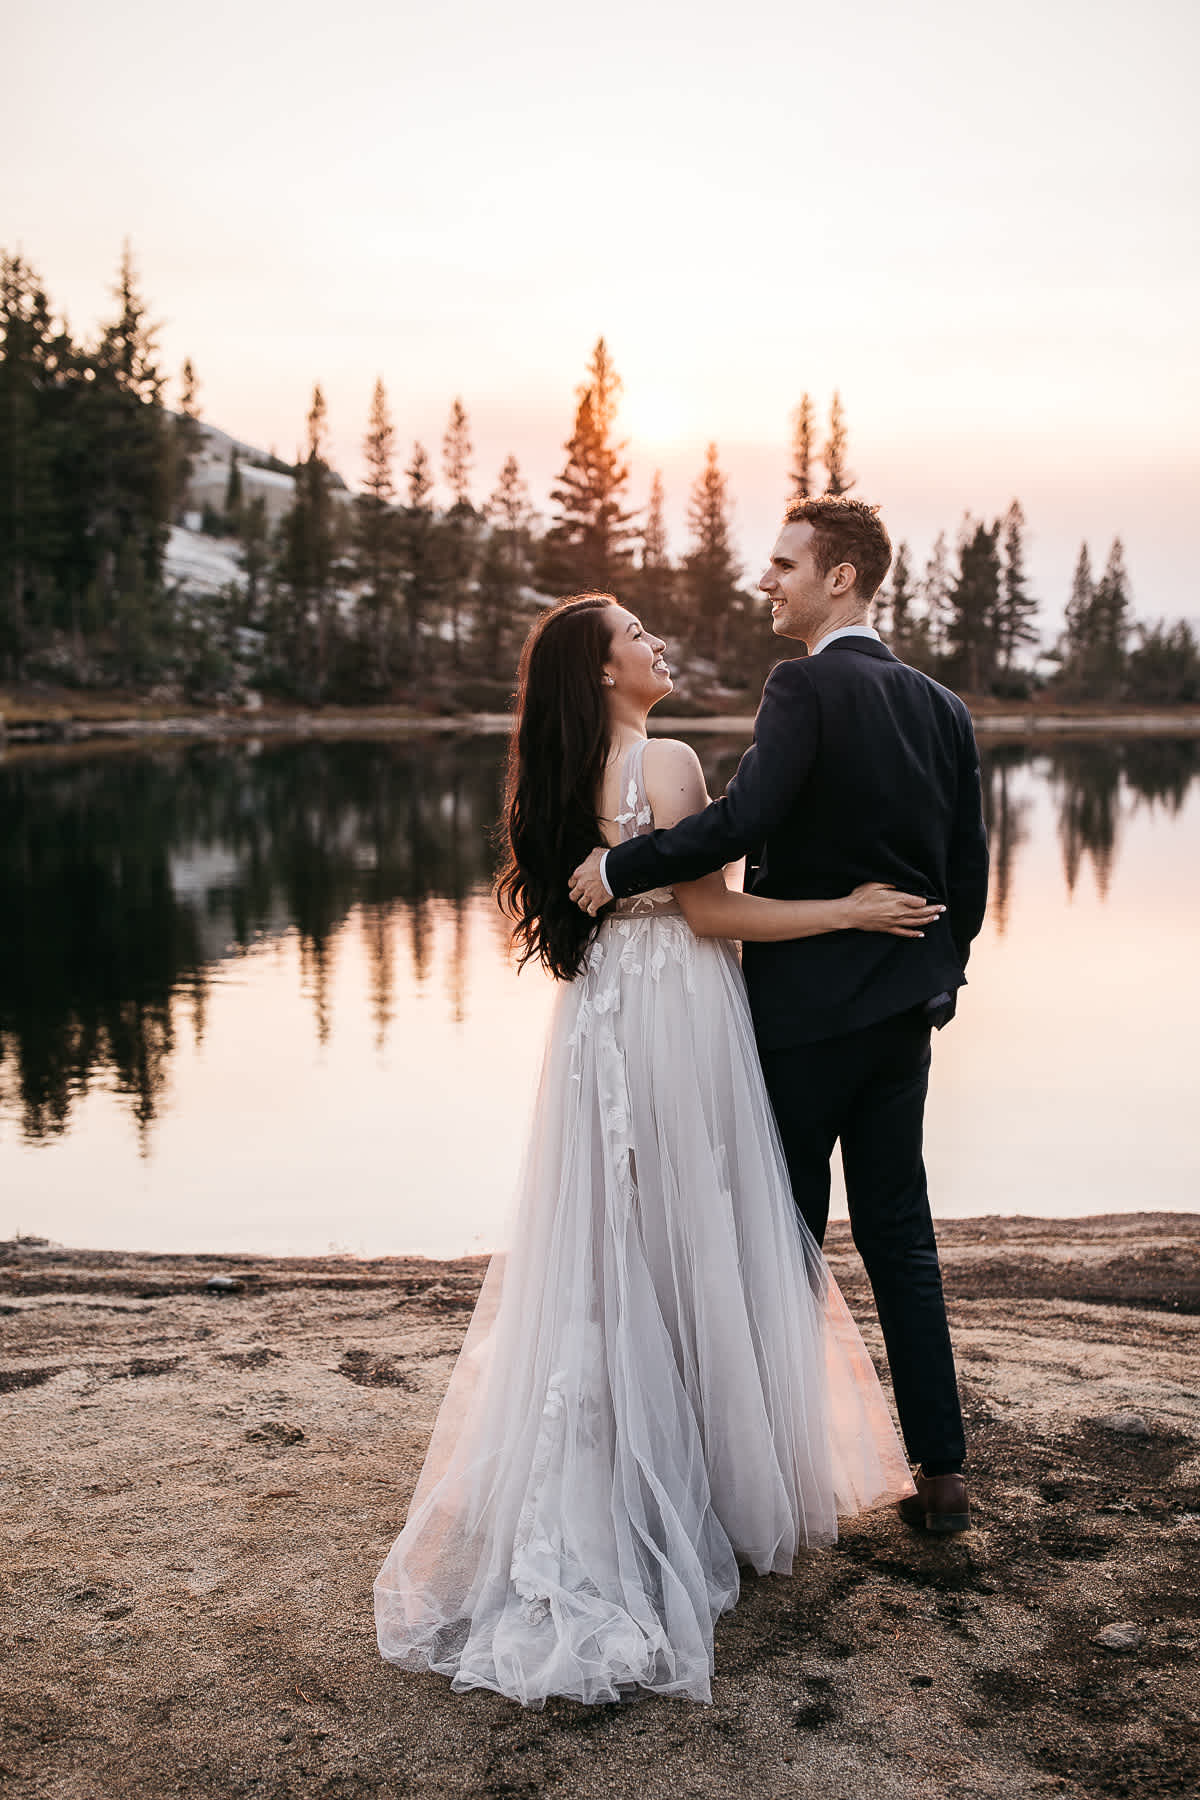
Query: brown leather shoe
[939, 1504]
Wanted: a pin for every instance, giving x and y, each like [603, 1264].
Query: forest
[416, 590]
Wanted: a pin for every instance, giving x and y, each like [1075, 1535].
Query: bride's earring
[607, 681]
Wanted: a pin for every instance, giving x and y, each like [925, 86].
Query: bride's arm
[675, 788]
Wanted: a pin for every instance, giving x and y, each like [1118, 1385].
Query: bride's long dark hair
[556, 756]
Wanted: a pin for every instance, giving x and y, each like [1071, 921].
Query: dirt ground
[199, 1487]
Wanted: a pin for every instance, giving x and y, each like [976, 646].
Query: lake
[256, 997]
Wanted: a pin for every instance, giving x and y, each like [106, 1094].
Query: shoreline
[204, 1481]
[1077, 1253]
[70, 729]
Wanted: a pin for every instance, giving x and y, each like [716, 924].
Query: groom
[861, 769]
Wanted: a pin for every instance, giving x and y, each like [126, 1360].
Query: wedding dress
[660, 1380]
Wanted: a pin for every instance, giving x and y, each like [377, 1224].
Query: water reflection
[1096, 784]
[125, 881]
[131, 883]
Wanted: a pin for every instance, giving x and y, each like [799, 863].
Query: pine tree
[838, 479]
[306, 565]
[802, 449]
[254, 540]
[461, 523]
[973, 601]
[421, 568]
[510, 511]
[893, 610]
[1077, 629]
[457, 455]
[187, 436]
[31, 529]
[936, 586]
[587, 545]
[1016, 607]
[900, 616]
[129, 346]
[505, 566]
[711, 571]
[657, 585]
[132, 494]
[378, 535]
[1111, 624]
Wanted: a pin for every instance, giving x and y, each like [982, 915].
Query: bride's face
[634, 663]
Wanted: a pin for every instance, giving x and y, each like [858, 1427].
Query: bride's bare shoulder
[673, 774]
[668, 757]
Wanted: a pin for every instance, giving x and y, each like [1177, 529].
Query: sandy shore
[200, 1486]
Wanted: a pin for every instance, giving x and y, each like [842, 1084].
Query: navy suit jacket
[861, 769]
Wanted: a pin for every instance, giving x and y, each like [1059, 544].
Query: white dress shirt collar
[845, 631]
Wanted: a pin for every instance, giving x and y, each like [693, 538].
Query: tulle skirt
[660, 1380]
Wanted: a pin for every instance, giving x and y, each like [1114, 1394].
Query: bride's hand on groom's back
[874, 906]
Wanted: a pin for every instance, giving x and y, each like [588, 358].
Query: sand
[199, 1487]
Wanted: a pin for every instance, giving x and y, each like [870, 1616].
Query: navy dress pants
[867, 1090]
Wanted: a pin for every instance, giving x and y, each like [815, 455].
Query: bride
[660, 1380]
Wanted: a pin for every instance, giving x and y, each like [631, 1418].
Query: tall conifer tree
[377, 538]
[936, 585]
[588, 543]
[1111, 624]
[803, 449]
[893, 610]
[973, 601]
[657, 582]
[1016, 607]
[511, 513]
[505, 565]
[132, 507]
[254, 542]
[1077, 626]
[711, 570]
[461, 523]
[838, 479]
[31, 529]
[421, 563]
[187, 437]
[307, 563]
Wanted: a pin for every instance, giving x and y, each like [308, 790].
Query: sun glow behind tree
[743, 206]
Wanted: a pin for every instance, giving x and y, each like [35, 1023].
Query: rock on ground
[200, 1486]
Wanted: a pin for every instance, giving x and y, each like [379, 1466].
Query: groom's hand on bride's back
[587, 889]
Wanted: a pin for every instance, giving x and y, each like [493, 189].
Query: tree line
[387, 595]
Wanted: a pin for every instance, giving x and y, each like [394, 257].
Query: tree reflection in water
[1097, 784]
[127, 880]
[1007, 816]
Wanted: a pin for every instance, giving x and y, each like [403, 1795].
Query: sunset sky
[979, 223]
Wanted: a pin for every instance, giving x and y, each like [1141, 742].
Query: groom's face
[799, 593]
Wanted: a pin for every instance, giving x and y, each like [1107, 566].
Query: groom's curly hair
[846, 530]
